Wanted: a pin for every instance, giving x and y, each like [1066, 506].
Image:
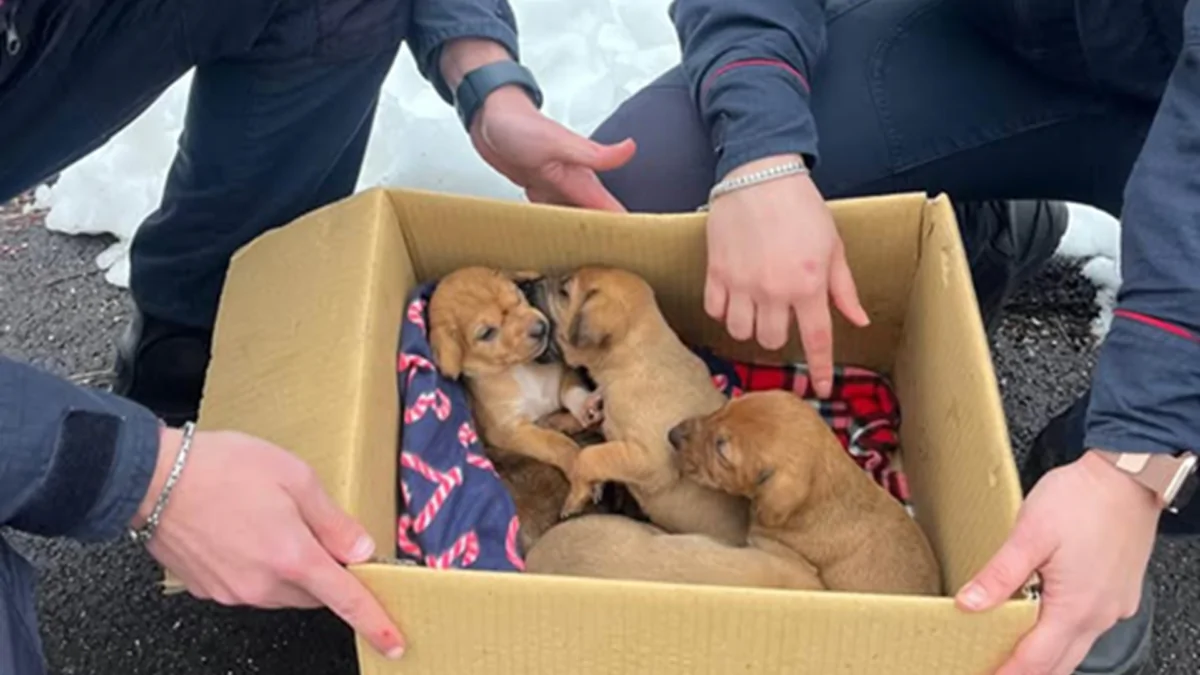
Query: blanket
[453, 510]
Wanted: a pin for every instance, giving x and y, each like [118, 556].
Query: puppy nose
[538, 330]
[676, 436]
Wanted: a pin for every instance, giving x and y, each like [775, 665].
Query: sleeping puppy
[616, 547]
[483, 329]
[807, 494]
[607, 321]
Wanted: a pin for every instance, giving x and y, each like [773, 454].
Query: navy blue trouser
[938, 96]
[279, 114]
[278, 119]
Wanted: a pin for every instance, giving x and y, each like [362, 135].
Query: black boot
[1007, 243]
[161, 365]
[1125, 649]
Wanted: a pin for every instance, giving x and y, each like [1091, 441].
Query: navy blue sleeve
[749, 64]
[74, 462]
[436, 22]
[1146, 388]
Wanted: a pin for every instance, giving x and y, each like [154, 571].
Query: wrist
[763, 164]
[169, 441]
[463, 55]
[1119, 482]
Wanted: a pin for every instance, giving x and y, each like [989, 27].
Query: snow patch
[1095, 236]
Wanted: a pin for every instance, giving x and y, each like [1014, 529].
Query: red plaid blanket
[862, 410]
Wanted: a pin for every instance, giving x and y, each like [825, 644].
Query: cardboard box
[304, 356]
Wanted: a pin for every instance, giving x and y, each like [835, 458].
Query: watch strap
[1172, 478]
[479, 83]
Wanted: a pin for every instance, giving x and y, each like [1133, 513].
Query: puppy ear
[779, 495]
[447, 349]
[581, 335]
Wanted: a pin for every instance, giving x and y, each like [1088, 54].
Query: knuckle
[1007, 571]
[305, 478]
[291, 566]
[818, 339]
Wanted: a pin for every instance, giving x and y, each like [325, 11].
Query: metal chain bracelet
[145, 533]
[725, 186]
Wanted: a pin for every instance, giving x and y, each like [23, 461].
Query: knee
[673, 168]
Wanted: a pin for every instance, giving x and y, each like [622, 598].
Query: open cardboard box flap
[304, 355]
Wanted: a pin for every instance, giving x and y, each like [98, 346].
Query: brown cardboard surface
[304, 356]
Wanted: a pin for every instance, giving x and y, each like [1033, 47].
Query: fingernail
[363, 549]
[973, 595]
[395, 653]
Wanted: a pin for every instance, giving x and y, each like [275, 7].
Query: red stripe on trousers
[757, 62]
[1171, 328]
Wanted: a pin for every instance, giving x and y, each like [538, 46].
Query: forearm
[1146, 390]
[749, 64]
[452, 37]
[74, 462]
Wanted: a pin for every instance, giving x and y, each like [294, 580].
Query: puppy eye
[722, 446]
[486, 333]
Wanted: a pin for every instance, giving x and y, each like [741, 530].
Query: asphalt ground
[102, 613]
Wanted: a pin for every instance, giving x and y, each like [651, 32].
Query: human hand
[773, 249]
[552, 163]
[247, 523]
[1089, 530]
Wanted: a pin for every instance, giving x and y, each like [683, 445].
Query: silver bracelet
[146, 532]
[725, 186]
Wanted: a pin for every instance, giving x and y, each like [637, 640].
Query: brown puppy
[616, 547]
[807, 494]
[537, 492]
[483, 329]
[607, 320]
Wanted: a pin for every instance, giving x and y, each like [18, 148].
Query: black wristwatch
[478, 83]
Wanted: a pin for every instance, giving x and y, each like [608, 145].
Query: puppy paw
[579, 498]
[593, 411]
[587, 408]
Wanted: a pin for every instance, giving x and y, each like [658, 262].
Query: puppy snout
[677, 435]
[539, 329]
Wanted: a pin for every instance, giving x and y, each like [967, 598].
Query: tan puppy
[807, 494]
[616, 547]
[483, 329]
[607, 320]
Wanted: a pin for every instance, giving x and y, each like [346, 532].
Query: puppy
[483, 330]
[615, 547]
[607, 321]
[537, 491]
[807, 494]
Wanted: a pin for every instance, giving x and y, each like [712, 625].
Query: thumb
[1008, 570]
[576, 149]
[337, 532]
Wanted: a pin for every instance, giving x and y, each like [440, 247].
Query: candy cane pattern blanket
[453, 510]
